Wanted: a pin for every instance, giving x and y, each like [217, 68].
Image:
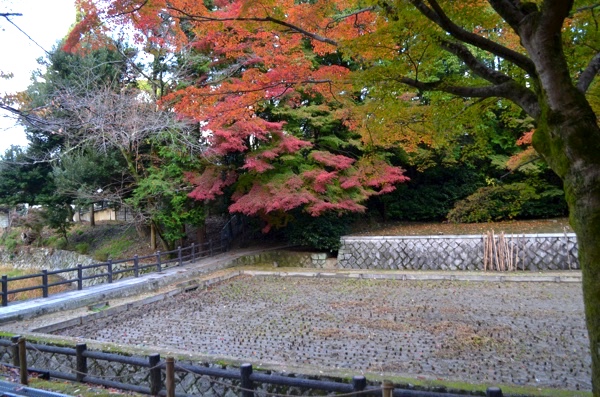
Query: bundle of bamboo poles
[499, 252]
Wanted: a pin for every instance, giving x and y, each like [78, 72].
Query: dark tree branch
[134, 9]
[509, 90]
[509, 11]
[553, 16]
[437, 16]
[481, 70]
[588, 75]
[586, 8]
[341, 17]
[297, 29]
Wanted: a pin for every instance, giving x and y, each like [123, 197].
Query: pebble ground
[484, 332]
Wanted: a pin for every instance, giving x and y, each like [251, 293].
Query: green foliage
[430, 193]
[22, 180]
[319, 233]
[532, 199]
[81, 174]
[10, 240]
[163, 196]
[58, 217]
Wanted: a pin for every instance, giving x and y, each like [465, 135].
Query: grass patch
[113, 249]
[78, 389]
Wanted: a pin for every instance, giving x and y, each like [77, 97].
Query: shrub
[493, 203]
[320, 233]
[431, 194]
[83, 248]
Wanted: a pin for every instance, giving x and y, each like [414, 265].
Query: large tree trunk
[568, 137]
[572, 148]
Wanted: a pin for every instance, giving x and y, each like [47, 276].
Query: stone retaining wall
[284, 258]
[34, 258]
[43, 258]
[533, 252]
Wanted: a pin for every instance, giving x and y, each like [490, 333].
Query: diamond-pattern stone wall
[470, 252]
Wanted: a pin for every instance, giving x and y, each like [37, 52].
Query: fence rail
[243, 380]
[106, 271]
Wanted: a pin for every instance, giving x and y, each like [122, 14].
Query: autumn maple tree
[397, 72]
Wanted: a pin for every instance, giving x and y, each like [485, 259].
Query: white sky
[46, 22]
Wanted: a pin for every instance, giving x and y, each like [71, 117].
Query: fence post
[109, 266]
[158, 267]
[81, 365]
[387, 388]
[170, 372]
[247, 384]
[179, 259]
[45, 283]
[79, 277]
[23, 361]
[210, 247]
[15, 350]
[193, 252]
[5, 290]
[136, 266]
[155, 374]
[493, 392]
[359, 383]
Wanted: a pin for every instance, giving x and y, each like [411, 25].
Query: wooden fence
[112, 270]
[243, 380]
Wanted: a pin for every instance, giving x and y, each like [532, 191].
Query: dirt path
[497, 333]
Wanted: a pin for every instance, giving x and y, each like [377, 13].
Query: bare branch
[6, 16]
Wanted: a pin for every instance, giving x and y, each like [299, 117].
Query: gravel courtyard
[513, 333]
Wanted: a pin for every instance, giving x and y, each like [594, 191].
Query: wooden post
[109, 266]
[81, 364]
[23, 361]
[170, 372]
[493, 392]
[179, 258]
[79, 276]
[5, 290]
[387, 388]
[359, 383]
[136, 266]
[193, 252]
[155, 374]
[158, 267]
[45, 283]
[15, 350]
[247, 384]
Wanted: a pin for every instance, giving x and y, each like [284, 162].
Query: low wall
[284, 258]
[532, 252]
